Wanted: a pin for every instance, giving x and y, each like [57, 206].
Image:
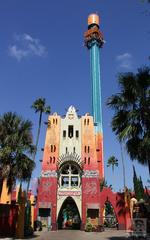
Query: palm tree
[16, 148]
[131, 118]
[113, 162]
[39, 105]
[123, 166]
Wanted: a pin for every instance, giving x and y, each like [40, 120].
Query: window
[84, 121]
[88, 122]
[70, 131]
[77, 133]
[92, 213]
[74, 181]
[85, 160]
[51, 148]
[54, 148]
[69, 177]
[74, 150]
[66, 150]
[89, 160]
[88, 149]
[50, 159]
[65, 181]
[64, 133]
[53, 159]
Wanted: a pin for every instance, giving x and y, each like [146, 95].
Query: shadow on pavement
[117, 238]
[31, 237]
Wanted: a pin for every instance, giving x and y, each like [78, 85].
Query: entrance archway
[69, 217]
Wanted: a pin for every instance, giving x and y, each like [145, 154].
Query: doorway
[69, 217]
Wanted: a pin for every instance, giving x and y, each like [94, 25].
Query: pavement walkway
[81, 235]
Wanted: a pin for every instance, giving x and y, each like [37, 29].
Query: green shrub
[88, 227]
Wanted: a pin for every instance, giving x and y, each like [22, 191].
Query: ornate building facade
[72, 166]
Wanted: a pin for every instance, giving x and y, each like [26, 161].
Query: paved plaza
[81, 235]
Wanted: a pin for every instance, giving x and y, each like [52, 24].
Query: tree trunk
[123, 166]
[38, 134]
[113, 176]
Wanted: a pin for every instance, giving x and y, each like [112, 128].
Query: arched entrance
[69, 217]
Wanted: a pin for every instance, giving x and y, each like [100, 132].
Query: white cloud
[25, 45]
[125, 60]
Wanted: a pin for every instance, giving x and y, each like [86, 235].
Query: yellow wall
[5, 197]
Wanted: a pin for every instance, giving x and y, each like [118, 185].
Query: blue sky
[42, 54]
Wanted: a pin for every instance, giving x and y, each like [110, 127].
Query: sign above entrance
[69, 193]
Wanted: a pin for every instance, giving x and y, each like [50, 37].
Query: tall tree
[16, 148]
[40, 107]
[138, 186]
[123, 166]
[113, 162]
[131, 118]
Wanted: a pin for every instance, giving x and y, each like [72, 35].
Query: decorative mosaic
[69, 193]
[90, 188]
[49, 173]
[90, 173]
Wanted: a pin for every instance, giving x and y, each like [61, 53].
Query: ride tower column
[93, 39]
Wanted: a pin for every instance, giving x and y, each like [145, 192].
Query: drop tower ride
[93, 39]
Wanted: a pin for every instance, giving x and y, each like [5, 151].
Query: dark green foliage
[19, 194]
[108, 209]
[113, 162]
[16, 148]
[138, 186]
[88, 227]
[131, 118]
[28, 230]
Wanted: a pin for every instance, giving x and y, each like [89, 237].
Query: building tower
[93, 39]
[72, 166]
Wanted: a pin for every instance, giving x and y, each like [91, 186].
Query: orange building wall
[51, 148]
[88, 140]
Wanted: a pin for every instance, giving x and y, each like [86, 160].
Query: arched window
[54, 148]
[51, 148]
[64, 133]
[69, 176]
[70, 131]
